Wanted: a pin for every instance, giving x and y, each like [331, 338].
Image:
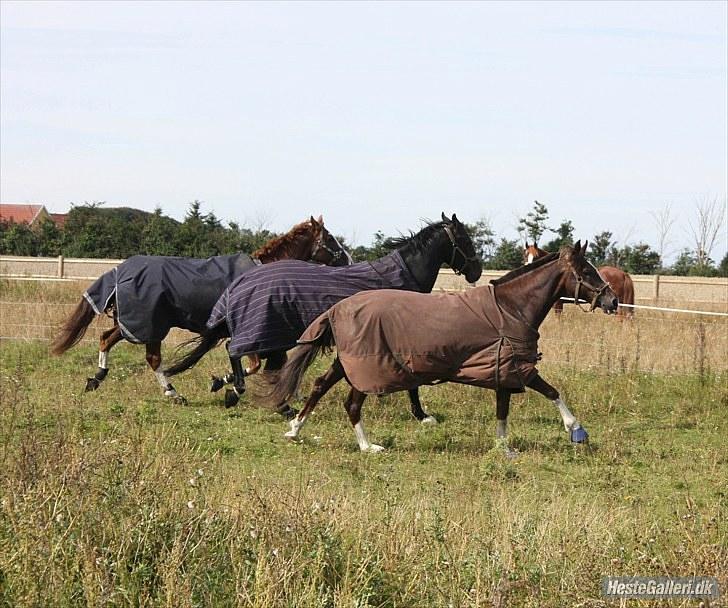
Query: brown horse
[148, 295]
[391, 340]
[618, 280]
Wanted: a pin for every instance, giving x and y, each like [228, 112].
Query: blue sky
[373, 114]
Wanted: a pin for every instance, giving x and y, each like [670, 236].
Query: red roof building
[19, 213]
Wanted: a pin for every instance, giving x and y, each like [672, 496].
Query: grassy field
[119, 497]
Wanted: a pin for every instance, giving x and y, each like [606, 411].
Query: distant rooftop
[20, 212]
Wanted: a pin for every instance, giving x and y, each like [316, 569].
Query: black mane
[521, 270]
[420, 241]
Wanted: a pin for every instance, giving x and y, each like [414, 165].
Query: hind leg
[232, 397]
[154, 359]
[416, 408]
[274, 362]
[219, 381]
[321, 386]
[108, 339]
[353, 405]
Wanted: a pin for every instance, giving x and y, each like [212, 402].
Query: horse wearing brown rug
[488, 336]
[620, 282]
[149, 295]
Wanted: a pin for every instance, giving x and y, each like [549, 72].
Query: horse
[620, 282]
[148, 295]
[488, 336]
[266, 310]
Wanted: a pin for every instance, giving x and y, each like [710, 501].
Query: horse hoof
[180, 400]
[579, 435]
[217, 384]
[231, 398]
[428, 420]
[373, 449]
[92, 384]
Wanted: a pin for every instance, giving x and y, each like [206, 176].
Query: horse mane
[420, 241]
[284, 243]
[525, 269]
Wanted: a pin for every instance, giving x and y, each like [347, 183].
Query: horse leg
[232, 397]
[353, 408]
[416, 408]
[154, 359]
[502, 407]
[106, 342]
[577, 433]
[321, 386]
[219, 381]
[273, 363]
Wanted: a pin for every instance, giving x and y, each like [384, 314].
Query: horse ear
[321, 219]
[583, 249]
[577, 246]
[455, 219]
[445, 218]
[314, 223]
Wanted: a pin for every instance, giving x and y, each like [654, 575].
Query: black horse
[149, 295]
[266, 310]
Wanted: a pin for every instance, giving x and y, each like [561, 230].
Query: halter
[456, 249]
[597, 291]
[319, 244]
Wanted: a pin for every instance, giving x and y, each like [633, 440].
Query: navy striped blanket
[155, 293]
[269, 307]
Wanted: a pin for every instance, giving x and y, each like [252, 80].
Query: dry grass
[119, 498]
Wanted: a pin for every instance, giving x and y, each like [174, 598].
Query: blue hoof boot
[579, 435]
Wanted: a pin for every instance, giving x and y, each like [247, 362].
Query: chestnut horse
[618, 280]
[161, 292]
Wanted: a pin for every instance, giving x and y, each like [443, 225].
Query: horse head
[325, 248]
[463, 259]
[583, 280]
[532, 252]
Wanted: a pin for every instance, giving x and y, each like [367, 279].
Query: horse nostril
[615, 301]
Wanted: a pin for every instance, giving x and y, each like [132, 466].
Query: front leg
[232, 397]
[416, 407]
[154, 359]
[502, 407]
[577, 433]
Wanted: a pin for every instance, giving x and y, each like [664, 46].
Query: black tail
[73, 328]
[285, 381]
[203, 344]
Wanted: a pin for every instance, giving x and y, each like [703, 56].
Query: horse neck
[425, 265]
[531, 295]
[290, 248]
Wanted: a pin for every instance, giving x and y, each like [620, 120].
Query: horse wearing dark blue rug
[266, 310]
[149, 295]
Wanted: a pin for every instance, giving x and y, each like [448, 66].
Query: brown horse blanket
[155, 293]
[395, 340]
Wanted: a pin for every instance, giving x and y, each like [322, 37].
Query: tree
[49, 238]
[638, 259]
[17, 239]
[564, 236]
[508, 255]
[705, 229]
[159, 236]
[599, 248]
[483, 237]
[533, 225]
[663, 224]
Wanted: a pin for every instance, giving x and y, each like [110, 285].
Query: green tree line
[93, 231]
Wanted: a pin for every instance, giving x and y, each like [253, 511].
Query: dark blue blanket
[155, 293]
[269, 307]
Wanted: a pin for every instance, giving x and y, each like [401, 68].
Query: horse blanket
[155, 293]
[268, 308]
[390, 341]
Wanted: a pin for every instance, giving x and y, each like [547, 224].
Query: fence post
[656, 288]
[60, 267]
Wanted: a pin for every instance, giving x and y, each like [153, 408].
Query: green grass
[121, 498]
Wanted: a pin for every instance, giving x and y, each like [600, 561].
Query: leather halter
[319, 244]
[455, 250]
[597, 291]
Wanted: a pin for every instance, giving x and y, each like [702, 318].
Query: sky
[375, 115]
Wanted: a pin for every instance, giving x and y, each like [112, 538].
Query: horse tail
[73, 328]
[628, 294]
[202, 344]
[285, 382]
